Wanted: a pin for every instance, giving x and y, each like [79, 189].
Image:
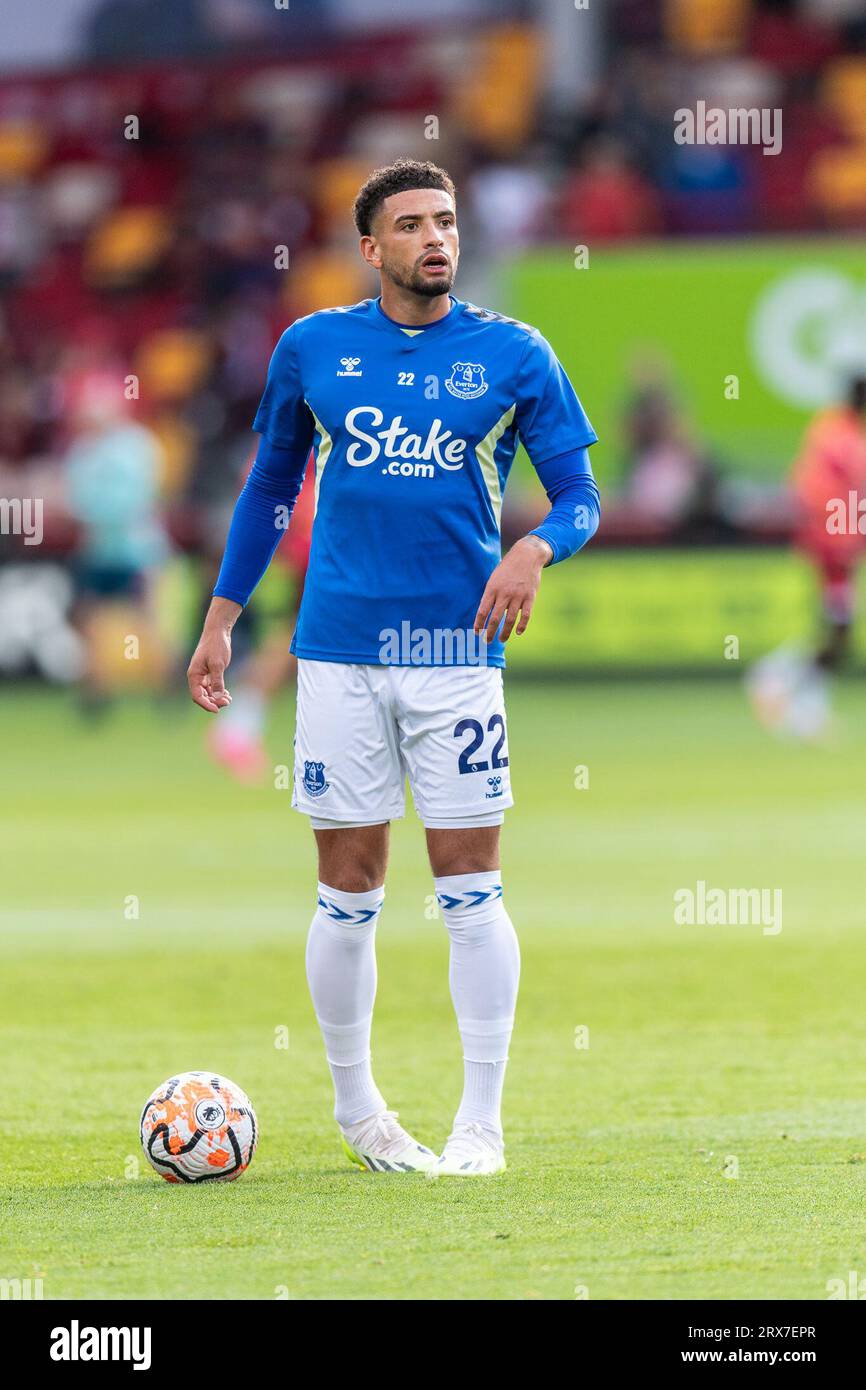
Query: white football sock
[341, 971]
[484, 975]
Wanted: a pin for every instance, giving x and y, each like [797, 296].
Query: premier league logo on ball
[314, 779]
[466, 380]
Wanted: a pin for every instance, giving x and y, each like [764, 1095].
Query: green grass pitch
[710, 1142]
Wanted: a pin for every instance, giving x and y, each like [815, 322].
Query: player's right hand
[205, 676]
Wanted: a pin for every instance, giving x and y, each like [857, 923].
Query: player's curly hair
[403, 174]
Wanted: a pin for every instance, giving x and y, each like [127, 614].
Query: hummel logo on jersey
[349, 365]
[439, 445]
[466, 381]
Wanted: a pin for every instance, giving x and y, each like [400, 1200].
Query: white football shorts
[361, 730]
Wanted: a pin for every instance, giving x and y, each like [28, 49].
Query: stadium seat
[706, 26]
[837, 182]
[23, 148]
[844, 91]
[291, 102]
[126, 245]
[77, 194]
[323, 278]
[378, 134]
[497, 102]
[177, 444]
[172, 364]
[335, 184]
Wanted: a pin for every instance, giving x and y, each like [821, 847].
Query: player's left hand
[512, 587]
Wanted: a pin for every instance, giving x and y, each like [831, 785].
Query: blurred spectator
[112, 474]
[605, 199]
[509, 201]
[671, 481]
[791, 689]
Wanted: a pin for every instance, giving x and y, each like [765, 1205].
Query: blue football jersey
[414, 432]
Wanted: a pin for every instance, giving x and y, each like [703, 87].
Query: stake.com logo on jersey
[401, 447]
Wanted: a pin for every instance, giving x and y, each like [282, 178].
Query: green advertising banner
[752, 337]
[669, 610]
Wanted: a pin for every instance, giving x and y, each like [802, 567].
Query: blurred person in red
[605, 199]
[791, 691]
[830, 471]
[237, 740]
[112, 476]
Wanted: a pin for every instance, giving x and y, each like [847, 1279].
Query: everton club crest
[466, 381]
[314, 779]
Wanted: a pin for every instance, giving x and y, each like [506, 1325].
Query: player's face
[415, 241]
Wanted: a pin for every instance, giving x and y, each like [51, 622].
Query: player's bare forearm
[206, 674]
[512, 587]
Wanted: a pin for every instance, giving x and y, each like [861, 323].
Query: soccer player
[414, 403]
[790, 691]
[830, 471]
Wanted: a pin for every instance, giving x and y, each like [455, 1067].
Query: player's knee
[360, 872]
[353, 860]
[470, 850]
[353, 878]
[359, 880]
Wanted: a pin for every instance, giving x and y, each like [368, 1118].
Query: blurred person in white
[514, 198]
[112, 471]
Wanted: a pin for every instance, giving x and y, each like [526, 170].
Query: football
[199, 1127]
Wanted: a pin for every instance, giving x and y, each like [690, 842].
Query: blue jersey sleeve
[574, 504]
[260, 519]
[550, 419]
[283, 416]
[263, 509]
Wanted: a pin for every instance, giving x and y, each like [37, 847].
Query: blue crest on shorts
[314, 779]
[495, 783]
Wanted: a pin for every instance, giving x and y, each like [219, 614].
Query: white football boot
[772, 683]
[383, 1146]
[470, 1152]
